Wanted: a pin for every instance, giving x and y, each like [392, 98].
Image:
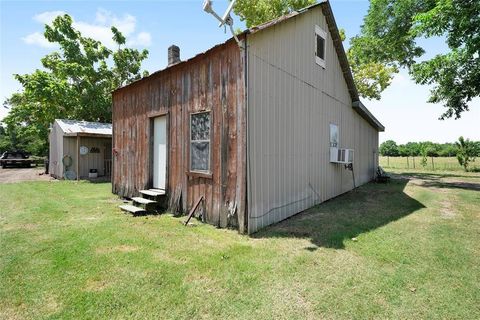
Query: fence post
[433, 165]
[413, 162]
[388, 161]
[408, 163]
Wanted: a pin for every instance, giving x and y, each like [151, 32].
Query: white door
[160, 152]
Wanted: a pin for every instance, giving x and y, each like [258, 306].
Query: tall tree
[389, 37]
[389, 148]
[371, 77]
[75, 83]
[255, 12]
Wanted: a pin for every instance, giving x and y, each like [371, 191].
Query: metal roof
[74, 128]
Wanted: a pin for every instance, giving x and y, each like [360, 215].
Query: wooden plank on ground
[192, 211]
[132, 209]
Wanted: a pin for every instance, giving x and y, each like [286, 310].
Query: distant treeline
[430, 149]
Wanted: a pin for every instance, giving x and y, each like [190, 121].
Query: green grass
[407, 249]
[415, 163]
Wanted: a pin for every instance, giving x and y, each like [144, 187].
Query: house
[79, 147]
[262, 130]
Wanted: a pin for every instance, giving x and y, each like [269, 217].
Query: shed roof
[84, 128]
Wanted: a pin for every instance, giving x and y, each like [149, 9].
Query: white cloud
[142, 39]
[47, 17]
[98, 30]
[38, 39]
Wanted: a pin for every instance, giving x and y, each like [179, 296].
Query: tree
[477, 148]
[466, 152]
[5, 143]
[255, 12]
[403, 151]
[389, 37]
[413, 148]
[389, 148]
[447, 150]
[371, 77]
[75, 83]
[428, 149]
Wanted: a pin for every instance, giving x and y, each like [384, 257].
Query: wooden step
[153, 194]
[161, 191]
[143, 201]
[133, 210]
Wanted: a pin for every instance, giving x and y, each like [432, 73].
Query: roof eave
[86, 134]
[367, 115]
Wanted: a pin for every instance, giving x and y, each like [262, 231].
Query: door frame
[151, 123]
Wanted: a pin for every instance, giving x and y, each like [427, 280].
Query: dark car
[15, 159]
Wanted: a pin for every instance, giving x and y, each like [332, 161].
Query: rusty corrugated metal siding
[212, 81]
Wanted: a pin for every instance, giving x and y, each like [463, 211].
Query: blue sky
[156, 24]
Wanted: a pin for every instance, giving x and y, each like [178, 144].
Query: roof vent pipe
[173, 55]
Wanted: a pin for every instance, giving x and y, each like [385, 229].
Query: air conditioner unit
[339, 155]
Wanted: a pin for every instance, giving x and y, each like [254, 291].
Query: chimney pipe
[173, 55]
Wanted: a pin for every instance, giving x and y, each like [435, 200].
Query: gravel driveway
[9, 175]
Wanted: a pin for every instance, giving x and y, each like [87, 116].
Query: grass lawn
[407, 249]
[432, 164]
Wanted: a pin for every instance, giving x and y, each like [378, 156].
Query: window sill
[320, 62]
[196, 174]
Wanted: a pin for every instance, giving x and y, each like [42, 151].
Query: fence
[432, 163]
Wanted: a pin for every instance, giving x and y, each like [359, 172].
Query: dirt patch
[447, 210]
[13, 313]
[20, 226]
[96, 285]
[122, 248]
[12, 175]
[165, 257]
[51, 305]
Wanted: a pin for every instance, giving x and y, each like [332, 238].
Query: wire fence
[429, 163]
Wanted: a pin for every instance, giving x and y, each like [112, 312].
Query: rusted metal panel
[213, 81]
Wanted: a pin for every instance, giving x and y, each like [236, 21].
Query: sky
[157, 24]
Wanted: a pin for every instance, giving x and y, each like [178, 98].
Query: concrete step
[133, 210]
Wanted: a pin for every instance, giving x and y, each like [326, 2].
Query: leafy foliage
[370, 77]
[467, 151]
[255, 12]
[389, 38]
[429, 149]
[5, 143]
[75, 83]
[389, 148]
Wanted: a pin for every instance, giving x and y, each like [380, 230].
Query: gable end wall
[291, 102]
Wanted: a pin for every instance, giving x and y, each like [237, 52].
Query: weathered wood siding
[291, 103]
[212, 81]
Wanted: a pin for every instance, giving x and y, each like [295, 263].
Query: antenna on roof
[226, 19]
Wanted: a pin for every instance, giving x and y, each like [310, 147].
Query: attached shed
[260, 130]
[78, 147]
